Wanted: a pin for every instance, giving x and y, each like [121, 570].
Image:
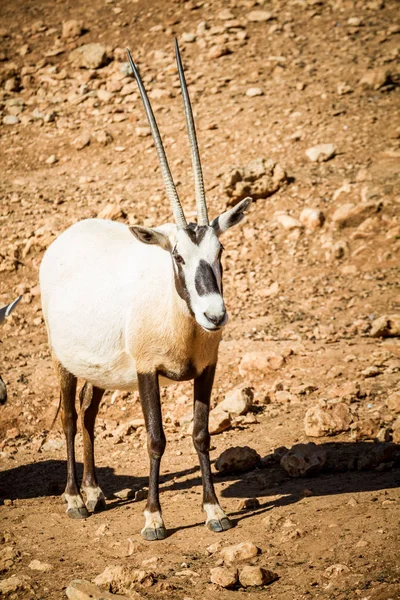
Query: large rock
[89, 56]
[239, 553]
[116, 576]
[259, 179]
[237, 401]
[80, 589]
[393, 402]
[224, 577]
[325, 419]
[386, 326]
[259, 363]
[303, 460]
[237, 460]
[366, 429]
[377, 78]
[72, 28]
[250, 576]
[13, 586]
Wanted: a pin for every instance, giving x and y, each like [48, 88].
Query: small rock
[239, 552]
[351, 215]
[224, 577]
[72, 28]
[366, 429]
[114, 575]
[219, 420]
[393, 402]
[238, 459]
[143, 131]
[371, 371]
[288, 222]
[37, 565]
[344, 88]
[336, 570]
[248, 504]
[52, 160]
[188, 37]
[258, 363]
[250, 576]
[386, 326]
[312, 218]
[237, 401]
[376, 78]
[304, 460]
[11, 120]
[79, 589]
[112, 212]
[321, 153]
[82, 141]
[325, 419]
[254, 91]
[89, 56]
[218, 50]
[396, 431]
[103, 137]
[225, 15]
[14, 584]
[259, 16]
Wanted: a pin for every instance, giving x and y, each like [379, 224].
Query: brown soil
[332, 282]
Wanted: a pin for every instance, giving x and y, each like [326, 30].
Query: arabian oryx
[4, 313]
[132, 308]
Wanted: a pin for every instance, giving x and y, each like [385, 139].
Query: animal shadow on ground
[349, 468]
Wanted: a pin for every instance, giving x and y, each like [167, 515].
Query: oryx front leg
[90, 398]
[76, 508]
[216, 519]
[154, 528]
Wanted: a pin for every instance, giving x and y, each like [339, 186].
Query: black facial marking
[205, 280]
[180, 286]
[196, 233]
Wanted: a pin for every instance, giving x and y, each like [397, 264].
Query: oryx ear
[231, 216]
[151, 236]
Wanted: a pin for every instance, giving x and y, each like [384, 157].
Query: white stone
[254, 91]
[321, 153]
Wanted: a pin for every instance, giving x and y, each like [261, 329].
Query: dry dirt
[308, 295]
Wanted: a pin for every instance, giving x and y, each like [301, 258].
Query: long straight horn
[202, 215]
[165, 170]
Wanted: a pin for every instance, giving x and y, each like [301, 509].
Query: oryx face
[196, 259]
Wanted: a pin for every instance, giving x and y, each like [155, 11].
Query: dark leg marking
[76, 508]
[149, 392]
[90, 398]
[216, 518]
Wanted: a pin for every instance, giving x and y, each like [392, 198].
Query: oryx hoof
[219, 525]
[78, 513]
[152, 534]
[95, 506]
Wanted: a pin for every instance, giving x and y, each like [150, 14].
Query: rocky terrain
[296, 104]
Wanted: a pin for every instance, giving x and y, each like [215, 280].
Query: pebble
[188, 37]
[89, 56]
[386, 326]
[237, 401]
[80, 589]
[37, 565]
[224, 577]
[336, 570]
[259, 16]
[321, 153]
[81, 141]
[258, 363]
[11, 120]
[238, 459]
[52, 160]
[71, 28]
[312, 218]
[239, 552]
[254, 91]
[253, 575]
[288, 222]
[225, 15]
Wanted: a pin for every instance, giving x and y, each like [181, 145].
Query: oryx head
[195, 249]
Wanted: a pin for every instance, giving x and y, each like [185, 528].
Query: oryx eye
[178, 258]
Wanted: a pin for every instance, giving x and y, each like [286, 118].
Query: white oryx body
[111, 307]
[130, 307]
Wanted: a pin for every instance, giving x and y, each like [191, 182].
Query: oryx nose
[216, 320]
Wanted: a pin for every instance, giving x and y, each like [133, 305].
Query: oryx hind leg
[90, 398]
[76, 508]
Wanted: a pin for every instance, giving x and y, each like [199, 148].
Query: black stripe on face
[205, 280]
[196, 233]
